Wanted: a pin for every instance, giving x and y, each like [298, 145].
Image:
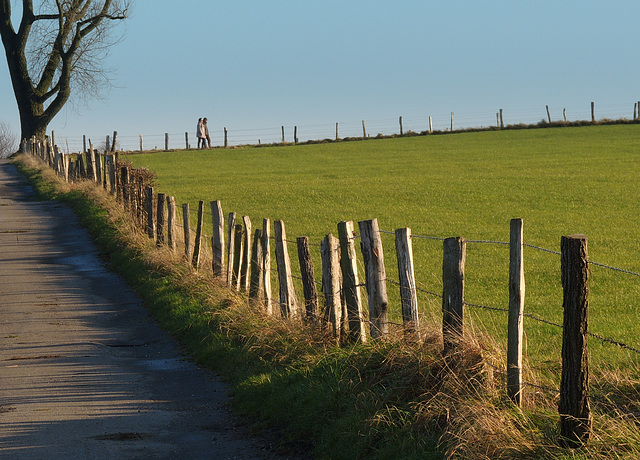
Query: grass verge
[388, 399]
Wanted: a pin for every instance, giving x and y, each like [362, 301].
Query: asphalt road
[85, 373]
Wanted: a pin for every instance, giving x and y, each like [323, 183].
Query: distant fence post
[501, 120]
[350, 282]
[308, 279]
[245, 269]
[171, 222]
[408, 293]
[401, 130]
[337, 137]
[149, 213]
[141, 142]
[593, 113]
[430, 125]
[160, 220]
[548, 114]
[186, 140]
[451, 121]
[186, 217]
[166, 141]
[376, 278]
[364, 130]
[256, 287]
[288, 301]
[266, 270]
[283, 134]
[575, 412]
[564, 114]
[332, 282]
[226, 140]
[195, 261]
[516, 309]
[231, 227]
[238, 253]
[453, 262]
[217, 239]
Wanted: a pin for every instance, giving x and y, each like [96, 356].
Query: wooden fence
[242, 258]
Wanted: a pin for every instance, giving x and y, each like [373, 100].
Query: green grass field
[560, 181]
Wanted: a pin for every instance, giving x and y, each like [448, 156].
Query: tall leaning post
[217, 240]
[407, 278]
[575, 412]
[149, 213]
[516, 310]
[375, 279]
[195, 260]
[453, 262]
[288, 300]
[160, 222]
[266, 265]
[308, 279]
[186, 226]
[351, 283]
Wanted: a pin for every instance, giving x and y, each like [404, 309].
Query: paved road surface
[84, 372]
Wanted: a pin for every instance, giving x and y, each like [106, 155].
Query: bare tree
[8, 141]
[57, 51]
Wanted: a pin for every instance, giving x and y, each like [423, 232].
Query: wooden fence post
[186, 140]
[407, 278]
[350, 282]
[195, 261]
[171, 222]
[124, 184]
[564, 114]
[364, 130]
[451, 121]
[548, 114]
[401, 130]
[226, 141]
[141, 142]
[160, 220]
[98, 164]
[308, 279]
[166, 141]
[375, 278]
[453, 261]
[283, 134]
[266, 270]
[149, 213]
[238, 252]
[186, 225]
[575, 412]
[113, 144]
[593, 113]
[430, 125]
[516, 309]
[288, 301]
[245, 269]
[501, 120]
[217, 240]
[332, 282]
[256, 288]
[84, 143]
[337, 137]
[231, 227]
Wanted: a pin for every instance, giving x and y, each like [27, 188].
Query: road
[85, 372]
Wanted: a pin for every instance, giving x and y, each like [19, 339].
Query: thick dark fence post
[149, 213]
[575, 413]
[453, 262]
[195, 260]
[308, 279]
[351, 283]
[160, 220]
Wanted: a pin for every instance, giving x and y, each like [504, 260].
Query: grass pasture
[560, 181]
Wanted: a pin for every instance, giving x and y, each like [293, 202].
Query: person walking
[206, 133]
[200, 133]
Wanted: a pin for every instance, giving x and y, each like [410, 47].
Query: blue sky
[253, 66]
